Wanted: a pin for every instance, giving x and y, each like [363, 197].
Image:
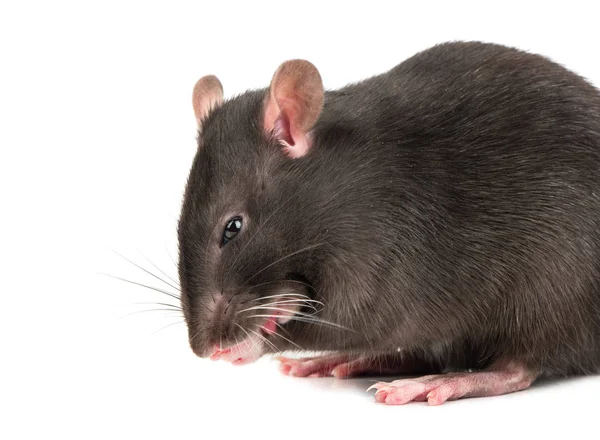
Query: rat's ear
[293, 105]
[208, 94]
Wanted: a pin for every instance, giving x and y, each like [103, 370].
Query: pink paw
[437, 389]
[249, 349]
[242, 353]
[339, 366]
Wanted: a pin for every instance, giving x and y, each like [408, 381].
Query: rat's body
[449, 207]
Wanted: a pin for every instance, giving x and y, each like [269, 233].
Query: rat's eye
[232, 228]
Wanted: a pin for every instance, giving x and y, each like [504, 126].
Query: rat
[440, 220]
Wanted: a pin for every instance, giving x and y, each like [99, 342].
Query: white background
[97, 135]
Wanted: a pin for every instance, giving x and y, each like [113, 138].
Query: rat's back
[492, 155]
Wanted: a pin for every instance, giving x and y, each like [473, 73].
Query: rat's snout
[222, 332]
[215, 324]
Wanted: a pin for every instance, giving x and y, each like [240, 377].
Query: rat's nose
[224, 305]
[216, 326]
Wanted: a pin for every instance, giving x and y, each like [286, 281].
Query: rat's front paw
[244, 352]
[337, 365]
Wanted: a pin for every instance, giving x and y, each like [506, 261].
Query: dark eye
[232, 228]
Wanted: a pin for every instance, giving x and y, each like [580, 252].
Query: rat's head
[245, 250]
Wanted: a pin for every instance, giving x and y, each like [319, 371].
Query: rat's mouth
[253, 346]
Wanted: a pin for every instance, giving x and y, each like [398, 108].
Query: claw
[378, 385]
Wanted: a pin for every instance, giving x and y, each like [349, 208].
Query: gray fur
[452, 201]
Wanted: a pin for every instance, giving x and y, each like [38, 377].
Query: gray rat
[441, 218]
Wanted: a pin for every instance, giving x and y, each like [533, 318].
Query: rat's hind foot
[438, 388]
[342, 366]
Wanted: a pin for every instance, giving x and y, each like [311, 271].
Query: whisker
[281, 309]
[307, 248]
[281, 294]
[166, 326]
[283, 281]
[321, 322]
[170, 256]
[291, 302]
[287, 294]
[297, 301]
[172, 295]
[257, 334]
[147, 271]
[236, 339]
[278, 309]
[294, 300]
[307, 319]
[161, 304]
[286, 339]
[264, 339]
[152, 310]
[151, 288]
[282, 328]
[244, 330]
[161, 271]
[300, 300]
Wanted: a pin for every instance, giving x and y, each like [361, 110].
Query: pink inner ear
[300, 147]
[296, 144]
[281, 118]
[282, 130]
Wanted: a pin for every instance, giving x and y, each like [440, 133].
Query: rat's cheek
[287, 312]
